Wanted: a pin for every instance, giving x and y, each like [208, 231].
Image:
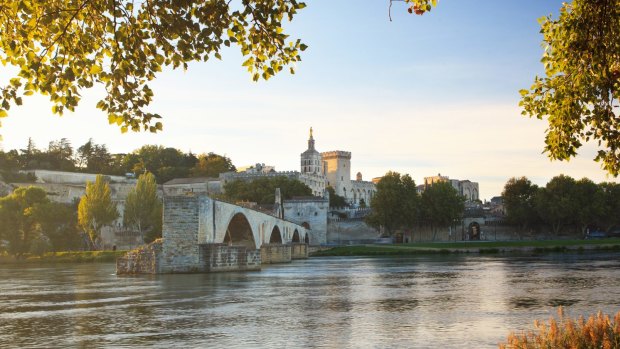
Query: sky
[421, 95]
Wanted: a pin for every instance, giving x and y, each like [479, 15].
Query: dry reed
[598, 331]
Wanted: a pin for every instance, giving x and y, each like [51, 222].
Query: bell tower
[311, 159]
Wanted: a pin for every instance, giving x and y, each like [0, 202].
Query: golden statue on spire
[310, 131]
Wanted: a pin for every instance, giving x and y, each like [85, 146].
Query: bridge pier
[275, 253]
[221, 257]
[299, 250]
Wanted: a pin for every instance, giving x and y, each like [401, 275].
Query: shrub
[599, 331]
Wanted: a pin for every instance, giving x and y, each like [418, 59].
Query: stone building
[309, 212]
[333, 169]
[317, 171]
[466, 188]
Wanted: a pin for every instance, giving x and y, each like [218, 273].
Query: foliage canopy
[580, 91]
[262, 190]
[18, 225]
[61, 47]
[395, 204]
[143, 209]
[96, 208]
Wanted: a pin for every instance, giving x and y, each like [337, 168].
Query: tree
[164, 163]
[441, 205]
[96, 208]
[395, 204]
[556, 203]
[335, 200]
[60, 155]
[28, 155]
[262, 190]
[611, 196]
[58, 223]
[94, 158]
[580, 92]
[519, 197]
[211, 165]
[17, 222]
[143, 209]
[63, 47]
[590, 201]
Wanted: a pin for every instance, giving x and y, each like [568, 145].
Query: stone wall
[61, 177]
[275, 253]
[310, 211]
[350, 232]
[299, 251]
[143, 260]
[221, 258]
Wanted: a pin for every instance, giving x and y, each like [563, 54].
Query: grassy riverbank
[472, 247]
[67, 257]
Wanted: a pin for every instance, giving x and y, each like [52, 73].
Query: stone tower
[311, 159]
[337, 167]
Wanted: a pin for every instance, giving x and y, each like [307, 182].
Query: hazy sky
[421, 95]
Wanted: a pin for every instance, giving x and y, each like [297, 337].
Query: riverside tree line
[165, 163]
[31, 223]
[563, 204]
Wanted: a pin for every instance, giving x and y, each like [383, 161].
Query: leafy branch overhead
[61, 47]
[580, 91]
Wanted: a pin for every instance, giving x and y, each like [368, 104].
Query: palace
[333, 169]
[318, 171]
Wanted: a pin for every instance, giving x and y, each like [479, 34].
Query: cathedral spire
[311, 141]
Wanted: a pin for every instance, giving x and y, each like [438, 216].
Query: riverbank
[67, 257]
[481, 247]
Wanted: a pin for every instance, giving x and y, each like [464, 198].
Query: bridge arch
[239, 232]
[296, 236]
[276, 236]
[307, 238]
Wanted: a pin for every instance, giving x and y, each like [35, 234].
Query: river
[433, 301]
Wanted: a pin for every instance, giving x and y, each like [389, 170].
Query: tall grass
[598, 331]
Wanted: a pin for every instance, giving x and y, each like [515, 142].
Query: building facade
[468, 189]
[318, 171]
[333, 169]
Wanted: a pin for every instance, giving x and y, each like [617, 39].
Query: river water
[435, 301]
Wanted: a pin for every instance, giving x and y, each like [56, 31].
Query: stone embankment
[143, 260]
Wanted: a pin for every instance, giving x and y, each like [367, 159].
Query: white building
[333, 169]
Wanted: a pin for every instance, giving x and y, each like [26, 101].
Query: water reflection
[432, 301]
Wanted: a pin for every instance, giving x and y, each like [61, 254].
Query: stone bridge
[202, 234]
